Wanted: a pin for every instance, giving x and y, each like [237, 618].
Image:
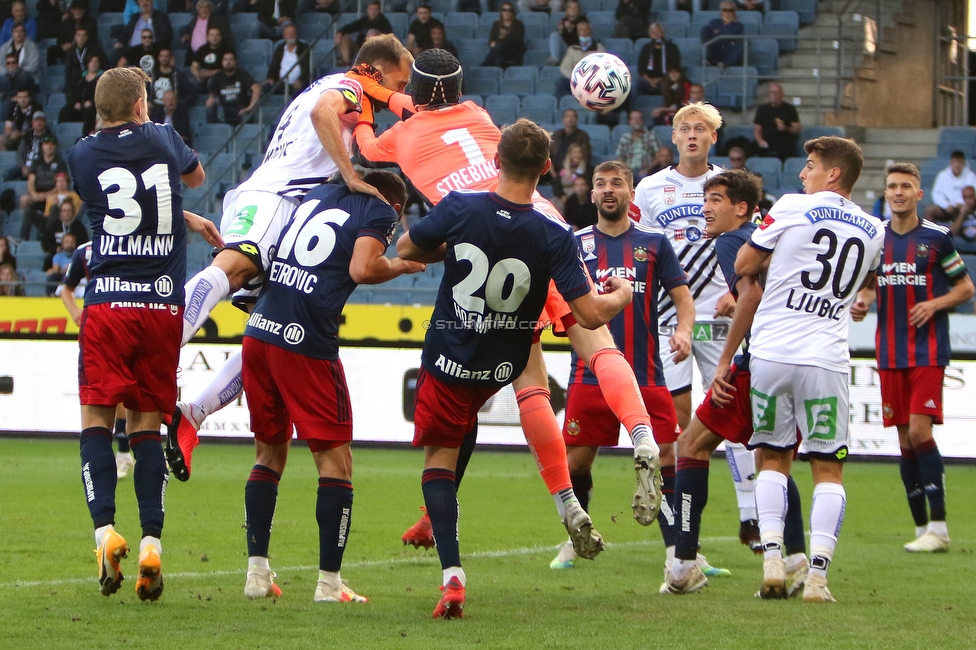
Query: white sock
[330, 578]
[826, 519]
[100, 534]
[920, 530]
[256, 562]
[795, 561]
[454, 572]
[771, 507]
[680, 568]
[224, 388]
[641, 435]
[203, 291]
[564, 499]
[939, 528]
[151, 541]
[742, 464]
[668, 557]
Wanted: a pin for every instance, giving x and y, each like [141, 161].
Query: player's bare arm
[725, 306]
[751, 261]
[961, 292]
[325, 119]
[195, 178]
[865, 297]
[684, 305]
[750, 293]
[206, 228]
[68, 298]
[407, 250]
[592, 310]
[369, 265]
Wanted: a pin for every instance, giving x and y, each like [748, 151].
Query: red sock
[544, 437]
[619, 387]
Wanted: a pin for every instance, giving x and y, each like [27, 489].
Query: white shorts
[252, 222]
[707, 342]
[786, 398]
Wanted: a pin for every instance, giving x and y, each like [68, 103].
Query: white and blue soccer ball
[600, 82]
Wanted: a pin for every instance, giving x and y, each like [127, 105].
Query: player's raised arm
[368, 264]
[325, 119]
[408, 250]
[592, 310]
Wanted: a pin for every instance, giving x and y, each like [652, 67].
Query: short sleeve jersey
[308, 284]
[500, 258]
[646, 259]
[919, 265]
[823, 246]
[672, 204]
[78, 268]
[296, 161]
[727, 247]
[129, 178]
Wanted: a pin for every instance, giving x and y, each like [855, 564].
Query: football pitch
[49, 595]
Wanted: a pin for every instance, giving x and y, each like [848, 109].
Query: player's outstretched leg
[260, 500]
[182, 430]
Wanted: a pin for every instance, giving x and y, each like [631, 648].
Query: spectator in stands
[776, 127]
[691, 6]
[26, 50]
[322, 6]
[18, 14]
[173, 113]
[578, 207]
[737, 158]
[10, 282]
[565, 34]
[40, 185]
[471, 6]
[563, 138]
[148, 18]
[964, 227]
[272, 15]
[132, 8]
[586, 45]
[752, 5]
[576, 163]
[506, 43]
[29, 147]
[947, 199]
[537, 6]
[208, 60]
[80, 106]
[638, 147]
[65, 221]
[727, 51]
[233, 93]
[360, 27]
[195, 31]
[6, 257]
[654, 60]
[77, 17]
[18, 117]
[696, 93]
[675, 92]
[438, 39]
[76, 58]
[168, 77]
[144, 55]
[49, 15]
[632, 18]
[663, 160]
[287, 53]
[60, 261]
[62, 192]
[418, 36]
[13, 78]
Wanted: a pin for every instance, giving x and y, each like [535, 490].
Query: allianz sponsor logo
[135, 245]
[679, 212]
[502, 373]
[257, 320]
[836, 214]
[115, 284]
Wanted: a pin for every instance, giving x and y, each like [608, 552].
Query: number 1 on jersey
[468, 144]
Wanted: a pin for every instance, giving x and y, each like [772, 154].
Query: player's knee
[696, 441]
[237, 266]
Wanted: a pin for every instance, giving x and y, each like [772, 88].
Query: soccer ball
[600, 82]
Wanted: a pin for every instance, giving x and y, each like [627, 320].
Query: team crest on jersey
[669, 194]
[693, 233]
[888, 411]
[573, 427]
[640, 254]
[589, 244]
[922, 250]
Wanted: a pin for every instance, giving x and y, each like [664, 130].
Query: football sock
[333, 511]
[150, 477]
[224, 388]
[440, 497]
[619, 387]
[468, 442]
[151, 541]
[665, 518]
[794, 539]
[642, 434]
[100, 533]
[260, 499]
[826, 519]
[771, 504]
[120, 438]
[932, 471]
[742, 464]
[564, 499]
[911, 477]
[583, 487]
[691, 496]
[544, 436]
[98, 474]
[203, 291]
[453, 572]
[938, 527]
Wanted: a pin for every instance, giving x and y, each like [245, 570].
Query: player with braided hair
[450, 145]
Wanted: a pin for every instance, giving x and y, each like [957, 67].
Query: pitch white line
[419, 559]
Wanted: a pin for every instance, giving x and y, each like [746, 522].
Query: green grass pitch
[49, 596]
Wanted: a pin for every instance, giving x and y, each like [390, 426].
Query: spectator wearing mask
[654, 60]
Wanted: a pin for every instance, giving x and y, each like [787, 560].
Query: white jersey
[296, 161]
[672, 204]
[823, 246]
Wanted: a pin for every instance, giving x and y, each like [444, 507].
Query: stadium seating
[35, 284]
[691, 50]
[503, 108]
[811, 132]
[548, 77]
[622, 47]
[769, 168]
[674, 18]
[805, 9]
[243, 25]
[763, 54]
[736, 87]
[780, 24]
[791, 170]
[953, 138]
[541, 109]
[460, 24]
[599, 137]
[663, 135]
[568, 101]
[68, 133]
[477, 99]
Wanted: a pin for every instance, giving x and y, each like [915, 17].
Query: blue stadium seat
[791, 170]
[675, 30]
[472, 52]
[603, 24]
[751, 20]
[702, 18]
[344, 19]
[503, 108]
[52, 79]
[763, 54]
[262, 45]
[957, 138]
[811, 132]
[674, 17]
[400, 22]
[110, 24]
[178, 21]
[215, 130]
[521, 72]
[730, 132]
[52, 107]
[208, 144]
[806, 9]
[542, 104]
[485, 22]
[622, 47]
[615, 134]
[520, 87]
[536, 58]
[599, 137]
[770, 168]
[568, 101]
[35, 283]
[782, 24]
[702, 74]
[663, 135]
[243, 26]
[719, 161]
[460, 24]
[691, 50]
[308, 32]
[198, 114]
[730, 87]
[548, 77]
[477, 99]
[536, 24]
[68, 133]
[541, 44]
[252, 138]
[254, 59]
[12, 227]
[481, 86]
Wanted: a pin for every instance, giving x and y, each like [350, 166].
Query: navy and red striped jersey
[647, 259]
[919, 265]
